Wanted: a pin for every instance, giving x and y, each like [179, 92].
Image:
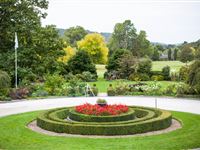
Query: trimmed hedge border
[73, 115]
[61, 115]
[160, 120]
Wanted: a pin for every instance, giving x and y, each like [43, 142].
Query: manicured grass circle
[16, 136]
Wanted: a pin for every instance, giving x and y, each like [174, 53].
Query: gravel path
[174, 126]
[177, 104]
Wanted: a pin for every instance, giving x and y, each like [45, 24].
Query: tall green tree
[142, 46]
[187, 53]
[169, 54]
[123, 36]
[197, 53]
[95, 45]
[74, 34]
[175, 53]
[156, 54]
[21, 17]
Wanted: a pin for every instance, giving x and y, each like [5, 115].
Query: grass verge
[15, 136]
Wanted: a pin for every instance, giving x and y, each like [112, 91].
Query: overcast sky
[164, 21]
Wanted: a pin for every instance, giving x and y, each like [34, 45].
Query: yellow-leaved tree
[69, 52]
[95, 45]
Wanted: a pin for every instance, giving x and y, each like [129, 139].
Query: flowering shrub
[97, 110]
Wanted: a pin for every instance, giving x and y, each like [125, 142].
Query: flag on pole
[16, 46]
[16, 41]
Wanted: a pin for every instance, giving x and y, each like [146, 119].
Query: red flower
[97, 110]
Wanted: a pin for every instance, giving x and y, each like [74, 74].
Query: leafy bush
[127, 65]
[144, 66]
[101, 101]
[166, 72]
[175, 76]
[95, 90]
[38, 90]
[88, 77]
[171, 89]
[157, 78]
[121, 88]
[180, 89]
[139, 77]
[81, 62]
[75, 88]
[53, 83]
[184, 73]
[156, 73]
[5, 83]
[113, 60]
[110, 90]
[152, 89]
[19, 93]
[194, 76]
[112, 75]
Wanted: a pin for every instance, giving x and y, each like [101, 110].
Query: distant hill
[106, 35]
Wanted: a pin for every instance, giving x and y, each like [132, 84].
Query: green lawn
[174, 65]
[157, 66]
[15, 136]
[102, 85]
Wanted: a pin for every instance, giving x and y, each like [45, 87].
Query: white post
[16, 46]
[156, 103]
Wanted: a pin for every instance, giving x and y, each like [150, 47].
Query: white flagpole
[16, 46]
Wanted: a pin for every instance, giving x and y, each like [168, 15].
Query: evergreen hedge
[160, 120]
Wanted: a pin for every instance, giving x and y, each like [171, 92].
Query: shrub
[139, 77]
[144, 66]
[75, 88]
[152, 89]
[88, 77]
[113, 60]
[184, 73]
[187, 53]
[53, 83]
[127, 65]
[112, 75]
[156, 73]
[157, 78]
[175, 76]
[171, 89]
[166, 72]
[5, 83]
[19, 93]
[38, 90]
[182, 89]
[101, 101]
[94, 90]
[194, 76]
[69, 76]
[110, 91]
[81, 62]
[121, 88]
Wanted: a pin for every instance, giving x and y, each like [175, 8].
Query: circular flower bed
[97, 110]
[144, 120]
